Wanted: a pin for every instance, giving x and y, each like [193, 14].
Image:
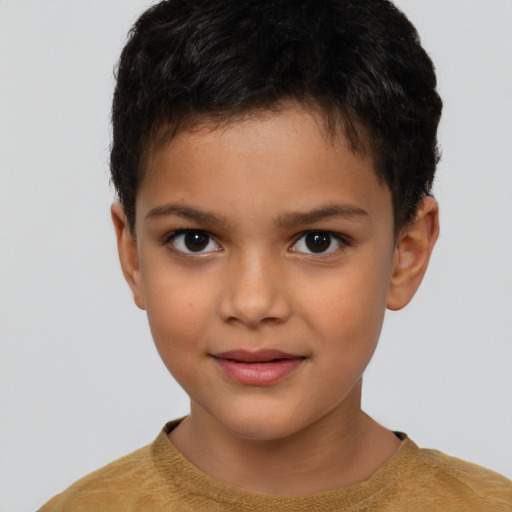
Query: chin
[262, 425]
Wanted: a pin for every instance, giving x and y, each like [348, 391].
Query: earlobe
[128, 254]
[412, 254]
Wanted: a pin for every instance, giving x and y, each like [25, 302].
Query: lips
[260, 368]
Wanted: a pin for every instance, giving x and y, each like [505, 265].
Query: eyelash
[342, 241]
[171, 237]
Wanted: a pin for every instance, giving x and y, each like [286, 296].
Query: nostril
[254, 324]
[252, 297]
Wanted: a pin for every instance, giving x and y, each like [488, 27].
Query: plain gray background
[81, 383]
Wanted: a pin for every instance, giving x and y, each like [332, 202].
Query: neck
[342, 448]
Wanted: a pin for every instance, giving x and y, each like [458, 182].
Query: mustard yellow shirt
[159, 478]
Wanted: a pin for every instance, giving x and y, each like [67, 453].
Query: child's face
[290, 249]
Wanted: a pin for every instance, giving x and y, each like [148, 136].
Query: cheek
[348, 308]
[352, 292]
[178, 312]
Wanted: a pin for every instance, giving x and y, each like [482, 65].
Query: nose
[254, 293]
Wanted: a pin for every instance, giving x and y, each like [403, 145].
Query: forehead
[260, 163]
[332, 123]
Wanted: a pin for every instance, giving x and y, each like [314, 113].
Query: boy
[273, 162]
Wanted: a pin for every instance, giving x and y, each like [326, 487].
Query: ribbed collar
[185, 476]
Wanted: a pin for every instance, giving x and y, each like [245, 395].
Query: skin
[258, 286]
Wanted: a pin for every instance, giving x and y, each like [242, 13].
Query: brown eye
[318, 242]
[194, 241]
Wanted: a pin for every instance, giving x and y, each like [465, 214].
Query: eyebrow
[186, 212]
[338, 211]
[287, 220]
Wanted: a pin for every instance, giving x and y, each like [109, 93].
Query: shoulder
[138, 481]
[456, 484]
[110, 486]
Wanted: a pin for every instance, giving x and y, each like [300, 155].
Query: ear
[128, 254]
[412, 254]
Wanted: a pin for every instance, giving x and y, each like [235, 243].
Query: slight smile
[260, 368]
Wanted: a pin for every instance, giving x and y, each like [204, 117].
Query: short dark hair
[359, 61]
